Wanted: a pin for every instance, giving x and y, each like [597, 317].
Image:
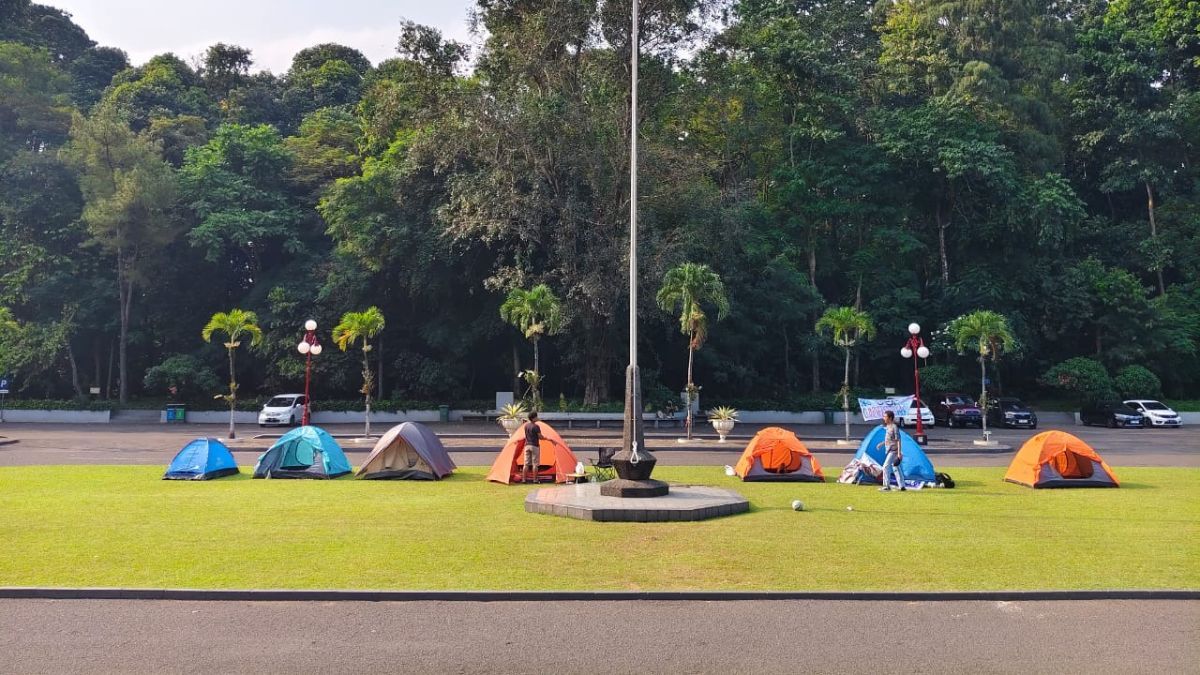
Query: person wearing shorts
[891, 445]
[533, 445]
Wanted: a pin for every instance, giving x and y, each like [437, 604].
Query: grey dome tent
[408, 451]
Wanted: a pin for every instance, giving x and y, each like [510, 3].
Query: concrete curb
[283, 595]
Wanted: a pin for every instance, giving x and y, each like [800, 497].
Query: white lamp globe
[303, 347]
[310, 325]
[914, 328]
[316, 350]
[906, 352]
[923, 352]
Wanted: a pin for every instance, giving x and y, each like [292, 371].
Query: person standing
[891, 445]
[533, 446]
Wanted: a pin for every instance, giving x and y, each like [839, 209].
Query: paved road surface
[476, 444]
[93, 636]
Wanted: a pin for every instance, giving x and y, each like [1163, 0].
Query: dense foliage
[916, 160]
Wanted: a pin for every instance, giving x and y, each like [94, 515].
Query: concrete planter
[510, 424]
[58, 416]
[723, 427]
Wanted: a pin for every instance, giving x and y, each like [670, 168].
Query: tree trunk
[846, 394]
[983, 391]
[942, 224]
[125, 297]
[688, 396]
[232, 390]
[516, 363]
[379, 377]
[537, 361]
[1162, 289]
[366, 389]
[74, 371]
[112, 346]
[787, 361]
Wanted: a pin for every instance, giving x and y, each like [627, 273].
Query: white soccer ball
[849, 508]
[729, 470]
[797, 505]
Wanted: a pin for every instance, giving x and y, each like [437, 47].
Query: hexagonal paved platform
[682, 503]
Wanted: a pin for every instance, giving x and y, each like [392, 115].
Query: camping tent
[776, 454]
[408, 451]
[202, 459]
[1054, 459]
[555, 462]
[915, 465]
[305, 452]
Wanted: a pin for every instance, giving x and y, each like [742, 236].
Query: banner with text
[873, 408]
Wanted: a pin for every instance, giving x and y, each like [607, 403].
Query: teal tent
[915, 465]
[306, 452]
[202, 459]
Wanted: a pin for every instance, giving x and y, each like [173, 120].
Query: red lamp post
[310, 346]
[914, 349]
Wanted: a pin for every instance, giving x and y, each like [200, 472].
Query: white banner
[873, 408]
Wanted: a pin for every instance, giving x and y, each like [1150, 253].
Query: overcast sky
[273, 29]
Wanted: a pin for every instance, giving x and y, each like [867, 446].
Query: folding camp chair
[602, 468]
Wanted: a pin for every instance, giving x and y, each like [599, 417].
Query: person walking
[533, 446]
[891, 445]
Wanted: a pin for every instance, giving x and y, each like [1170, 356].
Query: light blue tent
[306, 452]
[915, 465]
[202, 459]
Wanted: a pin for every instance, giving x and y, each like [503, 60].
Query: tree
[1137, 382]
[849, 326]
[990, 335]
[234, 324]
[537, 313]
[687, 288]
[364, 326]
[128, 191]
[1083, 376]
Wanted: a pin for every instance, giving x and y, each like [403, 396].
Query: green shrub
[191, 378]
[939, 378]
[1137, 382]
[1087, 378]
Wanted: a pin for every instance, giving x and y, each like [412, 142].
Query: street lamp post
[310, 346]
[915, 349]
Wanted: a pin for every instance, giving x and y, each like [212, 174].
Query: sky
[273, 30]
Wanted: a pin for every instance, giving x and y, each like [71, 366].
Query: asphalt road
[476, 444]
[95, 636]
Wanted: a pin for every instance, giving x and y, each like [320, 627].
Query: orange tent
[1054, 459]
[776, 454]
[555, 462]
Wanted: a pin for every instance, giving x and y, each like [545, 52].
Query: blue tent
[915, 465]
[306, 452]
[202, 459]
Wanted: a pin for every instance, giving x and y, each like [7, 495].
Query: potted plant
[512, 416]
[723, 418]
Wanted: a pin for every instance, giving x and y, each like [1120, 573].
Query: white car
[909, 419]
[282, 409]
[1155, 413]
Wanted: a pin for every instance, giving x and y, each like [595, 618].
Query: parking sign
[3, 385]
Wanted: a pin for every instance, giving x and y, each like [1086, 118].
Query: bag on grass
[944, 480]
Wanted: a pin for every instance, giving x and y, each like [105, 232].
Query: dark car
[1111, 414]
[1011, 412]
[957, 410]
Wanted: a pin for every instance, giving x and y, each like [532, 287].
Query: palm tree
[687, 287]
[363, 326]
[989, 332]
[849, 326]
[233, 324]
[537, 313]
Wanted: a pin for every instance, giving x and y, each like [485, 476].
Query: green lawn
[121, 526]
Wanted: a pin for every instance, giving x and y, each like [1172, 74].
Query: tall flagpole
[633, 432]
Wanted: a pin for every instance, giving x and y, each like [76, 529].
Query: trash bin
[444, 413]
[176, 413]
[828, 416]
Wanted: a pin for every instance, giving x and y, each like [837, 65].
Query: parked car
[909, 417]
[1112, 414]
[1007, 411]
[1155, 413]
[957, 410]
[282, 409]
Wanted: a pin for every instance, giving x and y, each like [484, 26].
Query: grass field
[121, 526]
